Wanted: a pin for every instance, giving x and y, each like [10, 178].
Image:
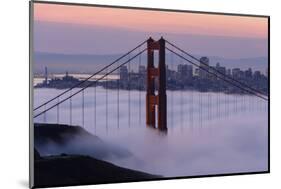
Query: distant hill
[89, 63]
[73, 63]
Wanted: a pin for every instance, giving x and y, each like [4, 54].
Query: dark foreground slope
[54, 139]
[66, 169]
[76, 170]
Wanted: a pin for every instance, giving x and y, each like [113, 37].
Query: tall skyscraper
[204, 65]
[236, 72]
[142, 70]
[221, 70]
[123, 73]
[185, 71]
[248, 73]
[46, 76]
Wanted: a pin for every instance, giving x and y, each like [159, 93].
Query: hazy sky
[95, 30]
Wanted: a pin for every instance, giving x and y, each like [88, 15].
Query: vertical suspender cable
[70, 109]
[191, 109]
[217, 97]
[106, 102]
[83, 108]
[200, 109]
[58, 112]
[235, 103]
[129, 94]
[220, 98]
[95, 107]
[209, 105]
[172, 92]
[181, 97]
[118, 85]
[169, 97]
[45, 116]
[140, 79]
[250, 99]
[227, 102]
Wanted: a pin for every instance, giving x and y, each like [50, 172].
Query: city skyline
[182, 77]
[87, 65]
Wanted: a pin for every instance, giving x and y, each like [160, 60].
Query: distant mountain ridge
[89, 63]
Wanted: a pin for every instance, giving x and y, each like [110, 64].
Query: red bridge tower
[153, 75]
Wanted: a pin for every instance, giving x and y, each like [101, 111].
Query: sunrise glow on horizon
[154, 21]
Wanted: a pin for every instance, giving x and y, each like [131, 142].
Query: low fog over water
[208, 133]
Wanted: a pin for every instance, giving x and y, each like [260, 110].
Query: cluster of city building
[65, 82]
[205, 78]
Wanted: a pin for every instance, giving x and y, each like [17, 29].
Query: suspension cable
[90, 84]
[81, 82]
[220, 77]
[229, 77]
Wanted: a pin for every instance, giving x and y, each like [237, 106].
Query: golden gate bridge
[156, 95]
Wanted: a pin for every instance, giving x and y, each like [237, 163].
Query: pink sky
[154, 21]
